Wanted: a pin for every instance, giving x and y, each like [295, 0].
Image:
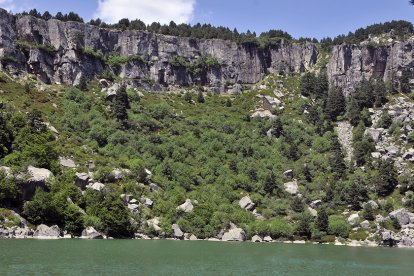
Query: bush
[338, 226]
[358, 236]
[279, 228]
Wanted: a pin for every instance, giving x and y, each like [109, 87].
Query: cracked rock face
[238, 63]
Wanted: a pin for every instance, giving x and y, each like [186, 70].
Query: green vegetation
[25, 45]
[202, 147]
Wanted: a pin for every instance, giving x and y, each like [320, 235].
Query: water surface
[136, 257]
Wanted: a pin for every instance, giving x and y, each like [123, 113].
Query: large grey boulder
[256, 238]
[46, 232]
[82, 180]
[67, 162]
[154, 223]
[37, 179]
[97, 186]
[236, 234]
[291, 187]
[91, 234]
[186, 207]
[353, 219]
[246, 203]
[177, 231]
[316, 204]
[401, 215]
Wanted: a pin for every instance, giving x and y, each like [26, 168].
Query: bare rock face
[68, 61]
[350, 64]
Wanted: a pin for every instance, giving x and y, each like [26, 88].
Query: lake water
[139, 257]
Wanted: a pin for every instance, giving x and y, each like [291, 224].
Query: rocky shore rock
[46, 232]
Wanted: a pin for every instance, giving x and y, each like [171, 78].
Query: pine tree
[270, 183]
[200, 97]
[120, 106]
[297, 205]
[337, 158]
[335, 105]
[386, 181]
[277, 129]
[83, 83]
[356, 192]
[322, 220]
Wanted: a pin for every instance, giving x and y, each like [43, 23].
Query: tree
[335, 105]
[6, 134]
[120, 105]
[338, 226]
[35, 121]
[308, 84]
[356, 192]
[277, 129]
[303, 227]
[200, 97]
[46, 15]
[297, 205]
[83, 83]
[368, 212]
[322, 220]
[270, 183]
[337, 157]
[386, 181]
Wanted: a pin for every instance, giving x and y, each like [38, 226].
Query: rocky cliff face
[349, 64]
[68, 62]
[65, 59]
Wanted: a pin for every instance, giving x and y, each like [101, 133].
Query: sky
[300, 18]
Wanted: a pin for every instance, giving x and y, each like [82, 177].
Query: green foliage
[26, 45]
[116, 59]
[322, 220]
[338, 226]
[386, 180]
[9, 190]
[384, 121]
[95, 54]
[358, 236]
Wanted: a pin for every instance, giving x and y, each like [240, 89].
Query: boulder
[46, 232]
[236, 234]
[246, 203]
[96, 186]
[133, 208]
[4, 233]
[353, 219]
[38, 178]
[365, 224]
[192, 237]
[288, 174]
[103, 83]
[177, 231]
[120, 173]
[154, 223]
[401, 215]
[291, 187]
[111, 91]
[256, 238]
[375, 133]
[82, 180]
[91, 234]
[316, 204]
[67, 163]
[147, 202]
[186, 207]
[6, 170]
[373, 204]
[313, 212]
[267, 239]
[154, 187]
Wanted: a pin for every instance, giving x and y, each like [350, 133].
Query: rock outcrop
[235, 234]
[70, 51]
[46, 232]
[91, 234]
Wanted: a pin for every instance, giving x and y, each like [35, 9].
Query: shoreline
[350, 243]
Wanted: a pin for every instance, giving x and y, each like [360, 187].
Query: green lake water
[136, 257]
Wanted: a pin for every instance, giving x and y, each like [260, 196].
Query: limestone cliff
[56, 51]
[349, 64]
[68, 60]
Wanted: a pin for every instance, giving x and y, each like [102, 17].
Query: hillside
[319, 150]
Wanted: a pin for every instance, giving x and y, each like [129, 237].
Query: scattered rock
[288, 174]
[316, 204]
[313, 212]
[401, 215]
[96, 186]
[147, 202]
[246, 203]
[46, 232]
[66, 162]
[267, 239]
[177, 231]
[291, 187]
[91, 233]
[236, 234]
[154, 223]
[82, 180]
[365, 224]
[186, 207]
[353, 219]
[256, 238]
